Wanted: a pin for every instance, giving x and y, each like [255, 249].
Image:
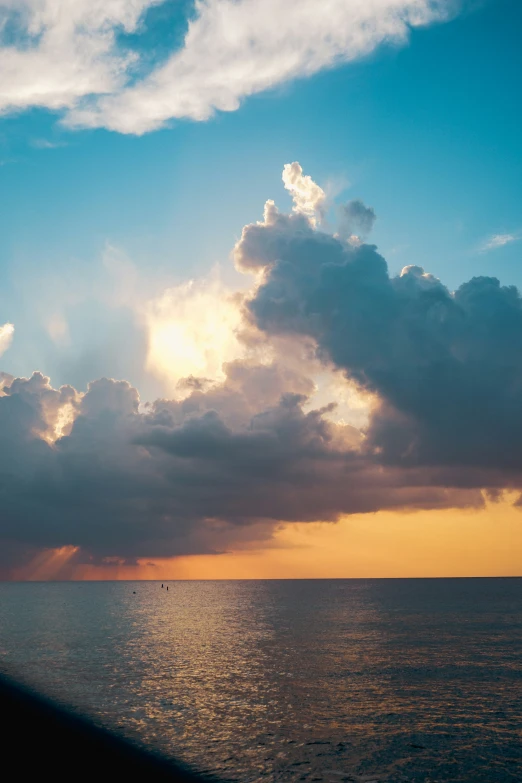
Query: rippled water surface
[354, 680]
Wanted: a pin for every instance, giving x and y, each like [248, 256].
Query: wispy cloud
[45, 144]
[6, 337]
[60, 52]
[69, 57]
[498, 240]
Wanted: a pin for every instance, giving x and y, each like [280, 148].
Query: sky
[259, 288]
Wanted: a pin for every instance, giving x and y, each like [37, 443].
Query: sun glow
[437, 543]
[193, 332]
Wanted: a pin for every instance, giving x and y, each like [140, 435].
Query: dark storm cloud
[447, 366]
[182, 477]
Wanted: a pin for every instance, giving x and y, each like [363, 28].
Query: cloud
[72, 58]
[107, 477]
[498, 240]
[6, 337]
[54, 53]
[356, 219]
[58, 329]
[309, 199]
[45, 144]
[446, 366]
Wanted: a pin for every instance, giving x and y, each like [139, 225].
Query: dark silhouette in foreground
[47, 741]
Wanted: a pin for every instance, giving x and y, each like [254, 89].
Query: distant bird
[134, 591]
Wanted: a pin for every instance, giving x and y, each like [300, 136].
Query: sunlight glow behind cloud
[192, 331]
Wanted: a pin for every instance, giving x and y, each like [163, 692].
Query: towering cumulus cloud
[111, 477]
[446, 366]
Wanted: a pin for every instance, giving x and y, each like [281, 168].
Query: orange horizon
[384, 545]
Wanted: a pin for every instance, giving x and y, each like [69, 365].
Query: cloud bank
[94, 471]
[236, 454]
[78, 57]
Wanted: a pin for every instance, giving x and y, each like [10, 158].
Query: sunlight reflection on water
[389, 680]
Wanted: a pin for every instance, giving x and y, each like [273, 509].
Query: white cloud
[66, 54]
[6, 337]
[498, 240]
[54, 52]
[308, 197]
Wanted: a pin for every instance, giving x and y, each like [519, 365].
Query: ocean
[387, 680]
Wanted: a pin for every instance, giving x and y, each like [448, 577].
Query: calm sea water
[388, 680]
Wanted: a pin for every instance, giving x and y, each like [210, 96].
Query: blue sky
[426, 131]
